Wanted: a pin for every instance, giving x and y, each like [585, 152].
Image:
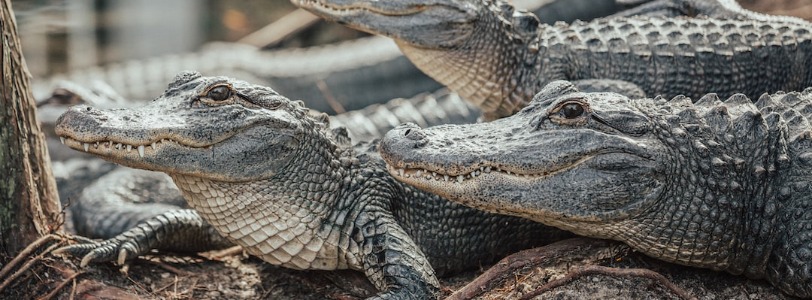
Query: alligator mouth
[473, 173]
[120, 149]
[363, 8]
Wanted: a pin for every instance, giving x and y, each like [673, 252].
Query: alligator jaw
[117, 149]
[438, 180]
[354, 9]
[418, 23]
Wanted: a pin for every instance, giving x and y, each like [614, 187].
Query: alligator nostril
[89, 108]
[414, 134]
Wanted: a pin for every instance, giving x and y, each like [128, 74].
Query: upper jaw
[336, 8]
[419, 23]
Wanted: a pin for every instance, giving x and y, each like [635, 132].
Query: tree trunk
[29, 204]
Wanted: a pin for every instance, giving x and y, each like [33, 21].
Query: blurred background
[61, 35]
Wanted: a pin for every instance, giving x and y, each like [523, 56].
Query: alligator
[499, 57]
[719, 185]
[267, 175]
[106, 201]
[352, 74]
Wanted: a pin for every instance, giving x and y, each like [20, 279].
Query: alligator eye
[572, 110]
[219, 93]
[274, 104]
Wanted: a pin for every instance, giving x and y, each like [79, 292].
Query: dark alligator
[353, 74]
[271, 177]
[498, 57]
[719, 185]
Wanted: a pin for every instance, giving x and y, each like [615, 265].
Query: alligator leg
[790, 262]
[391, 259]
[180, 230]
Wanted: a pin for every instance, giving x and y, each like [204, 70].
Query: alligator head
[208, 127]
[422, 23]
[591, 157]
[676, 180]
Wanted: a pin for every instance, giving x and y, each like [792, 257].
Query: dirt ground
[564, 270]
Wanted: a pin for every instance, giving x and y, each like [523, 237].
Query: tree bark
[29, 204]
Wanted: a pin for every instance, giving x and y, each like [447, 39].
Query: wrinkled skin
[720, 185]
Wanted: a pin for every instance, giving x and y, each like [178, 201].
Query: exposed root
[567, 250]
[601, 270]
[25, 255]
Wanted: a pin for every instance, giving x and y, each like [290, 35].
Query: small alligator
[719, 185]
[274, 179]
[498, 57]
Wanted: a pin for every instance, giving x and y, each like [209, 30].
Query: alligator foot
[615, 272]
[140, 239]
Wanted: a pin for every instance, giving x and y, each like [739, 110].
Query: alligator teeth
[445, 177]
[129, 148]
[96, 145]
[118, 146]
[487, 170]
[418, 173]
[62, 140]
[153, 145]
[86, 146]
[141, 151]
[428, 177]
[434, 174]
[460, 179]
[400, 172]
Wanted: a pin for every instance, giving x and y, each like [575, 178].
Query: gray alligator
[265, 174]
[719, 185]
[498, 57]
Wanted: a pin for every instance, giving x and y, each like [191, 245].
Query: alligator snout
[79, 116]
[407, 135]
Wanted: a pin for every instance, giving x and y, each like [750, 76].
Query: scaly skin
[498, 58]
[270, 177]
[720, 185]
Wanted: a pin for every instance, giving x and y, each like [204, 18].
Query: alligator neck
[484, 69]
[722, 202]
[281, 219]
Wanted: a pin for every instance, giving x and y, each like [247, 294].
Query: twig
[73, 290]
[601, 270]
[27, 266]
[275, 32]
[61, 285]
[170, 268]
[334, 104]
